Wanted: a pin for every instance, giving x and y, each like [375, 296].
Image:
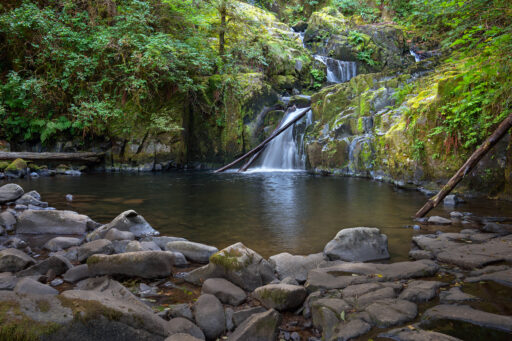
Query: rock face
[297, 267]
[224, 290]
[261, 326]
[10, 192]
[195, 252]
[238, 264]
[145, 264]
[209, 315]
[13, 260]
[51, 222]
[358, 244]
[61, 243]
[280, 296]
[127, 221]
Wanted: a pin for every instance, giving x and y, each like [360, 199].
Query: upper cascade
[338, 71]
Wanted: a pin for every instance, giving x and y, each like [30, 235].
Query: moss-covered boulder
[280, 296]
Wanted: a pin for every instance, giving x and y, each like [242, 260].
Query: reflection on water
[269, 212]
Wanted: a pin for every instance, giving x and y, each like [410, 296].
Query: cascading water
[338, 71]
[286, 151]
[416, 56]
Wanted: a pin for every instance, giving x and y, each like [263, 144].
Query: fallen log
[500, 131]
[249, 163]
[82, 156]
[264, 143]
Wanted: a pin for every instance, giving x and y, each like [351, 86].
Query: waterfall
[338, 71]
[416, 56]
[286, 152]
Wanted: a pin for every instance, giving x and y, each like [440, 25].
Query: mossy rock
[3, 165]
[16, 165]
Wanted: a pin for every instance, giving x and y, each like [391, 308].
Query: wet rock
[325, 320]
[179, 259]
[51, 222]
[182, 337]
[436, 220]
[466, 314]
[280, 296]
[370, 297]
[15, 243]
[135, 246]
[209, 316]
[358, 244]
[58, 264]
[452, 200]
[335, 305]
[127, 221]
[120, 245]
[61, 243]
[288, 280]
[14, 260]
[10, 192]
[162, 240]
[180, 310]
[350, 329]
[115, 234]
[69, 197]
[238, 264]
[420, 254]
[502, 277]
[455, 295]
[261, 326]
[7, 220]
[27, 200]
[456, 215]
[30, 286]
[145, 264]
[56, 282]
[502, 229]
[77, 273]
[100, 246]
[421, 291]
[194, 252]
[297, 267]
[181, 325]
[390, 312]
[416, 334]
[224, 290]
[7, 281]
[242, 315]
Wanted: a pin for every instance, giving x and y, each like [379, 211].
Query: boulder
[145, 264]
[115, 234]
[77, 273]
[127, 221]
[359, 244]
[29, 286]
[436, 220]
[390, 312]
[162, 241]
[242, 315]
[180, 310]
[280, 296]
[7, 220]
[7, 281]
[348, 330]
[61, 243]
[51, 222]
[209, 316]
[180, 325]
[261, 326]
[372, 296]
[10, 192]
[415, 334]
[27, 199]
[297, 267]
[57, 264]
[325, 320]
[455, 295]
[195, 252]
[421, 291]
[100, 246]
[224, 290]
[238, 264]
[503, 277]
[135, 246]
[14, 260]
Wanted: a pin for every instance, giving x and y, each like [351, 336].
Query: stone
[27, 200]
[325, 320]
[51, 222]
[466, 314]
[390, 312]
[261, 326]
[195, 252]
[209, 316]
[99, 246]
[415, 334]
[456, 215]
[502, 229]
[29, 286]
[421, 291]
[436, 220]
[115, 234]
[179, 259]
[182, 337]
[134, 245]
[224, 290]
[14, 260]
[7, 281]
[180, 310]
[502, 277]
[10, 192]
[280, 296]
[238, 264]
[350, 329]
[145, 264]
[455, 295]
[297, 267]
[127, 221]
[229, 318]
[61, 243]
[56, 282]
[77, 273]
[370, 297]
[421, 254]
[242, 315]
[359, 244]
[58, 264]
[288, 280]
[181, 325]
[15, 243]
[7, 220]
[162, 241]
[69, 197]
[452, 200]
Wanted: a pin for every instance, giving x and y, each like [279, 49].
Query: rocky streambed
[64, 276]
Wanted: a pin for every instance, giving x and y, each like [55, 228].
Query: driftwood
[264, 143]
[83, 157]
[467, 167]
[251, 160]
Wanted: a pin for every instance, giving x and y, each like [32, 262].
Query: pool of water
[270, 212]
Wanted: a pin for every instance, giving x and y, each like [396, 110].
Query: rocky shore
[64, 276]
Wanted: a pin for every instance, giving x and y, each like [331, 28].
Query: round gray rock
[194, 252]
[61, 243]
[180, 325]
[224, 290]
[280, 296]
[10, 192]
[360, 244]
[14, 260]
[209, 315]
[115, 234]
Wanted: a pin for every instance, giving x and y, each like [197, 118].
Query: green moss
[43, 306]
[16, 165]
[229, 259]
[3, 165]
[84, 310]
[278, 297]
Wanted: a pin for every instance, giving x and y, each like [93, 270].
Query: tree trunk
[84, 156]
[222, 31]
[467, 167]
[264, 143]
[249, 163]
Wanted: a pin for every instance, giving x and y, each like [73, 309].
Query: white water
[338, 71]
[416, 56]
[285, 153]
